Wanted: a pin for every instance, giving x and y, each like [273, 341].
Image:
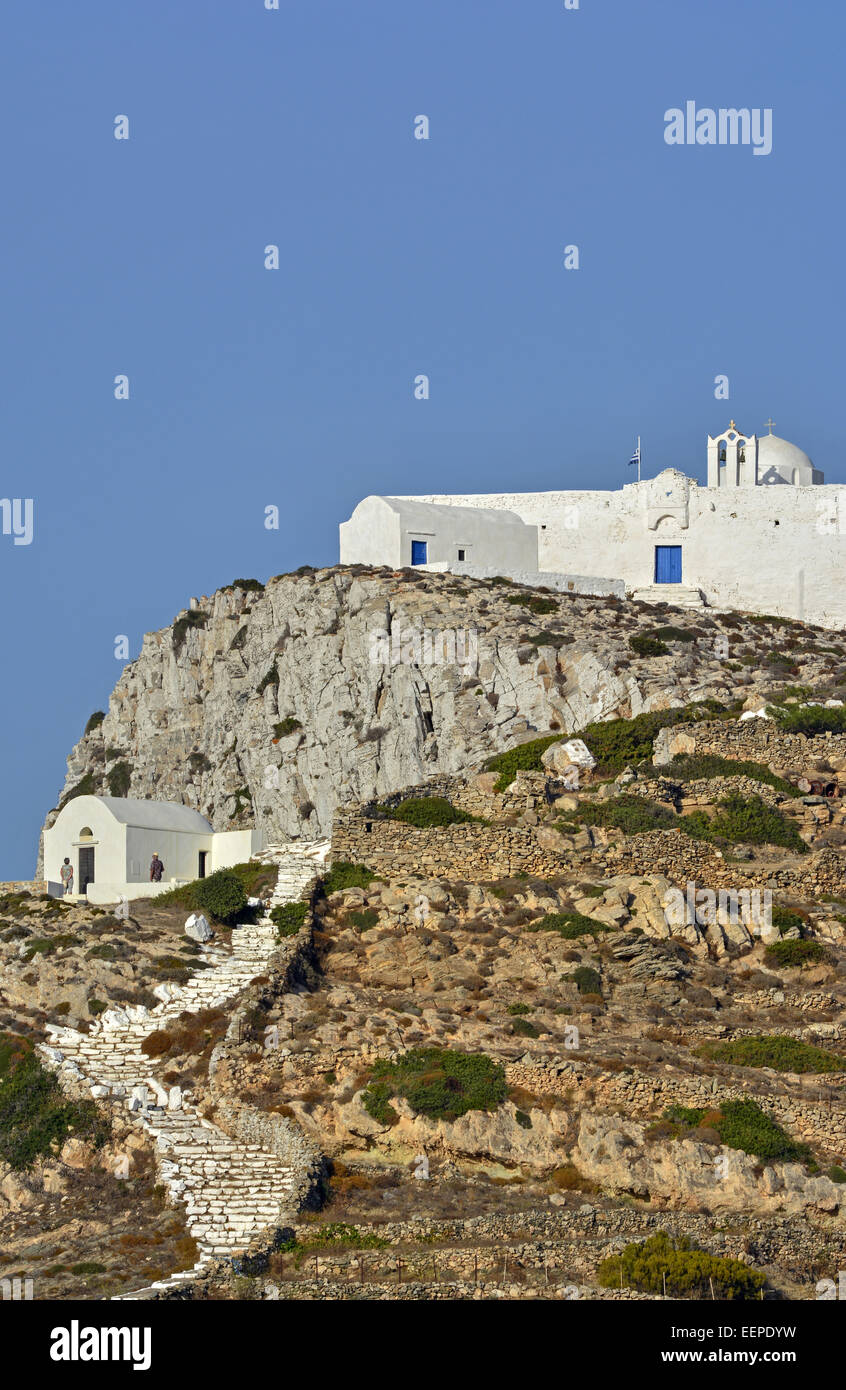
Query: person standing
[66, 875]
[156, 868]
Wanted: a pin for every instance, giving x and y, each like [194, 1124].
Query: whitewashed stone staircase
[231, 1190]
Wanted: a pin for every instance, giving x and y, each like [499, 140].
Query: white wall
[779, 550]
[109, 840]
[179, 851]
[381, 530]
[234, 847]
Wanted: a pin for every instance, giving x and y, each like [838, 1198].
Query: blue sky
[251, 387]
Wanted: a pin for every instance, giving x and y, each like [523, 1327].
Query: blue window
[668, 569]
[418, 552]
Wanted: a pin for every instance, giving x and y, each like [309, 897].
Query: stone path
[231, 1190]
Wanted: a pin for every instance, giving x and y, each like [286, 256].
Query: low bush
[222, 895]
[660, 1264]
[809, 719]
[35, 1116]
[687, 767]
[437, 1082]
[780, 1053]
[742, 1124]
[674, 634]
[587, 980]
[195, 617]
[288, 918]
[526, 757]
[632, 814]
[427, 811]
[286, 726]
[119, 778]
[94, 722]
[617, 742]
[790, 954]
[786, 921]
[643, 645]
[744, 820]
[365, 919]
[343, 875]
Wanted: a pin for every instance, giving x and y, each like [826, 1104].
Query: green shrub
[365, 919]
[288, 918]
[687, 767]
[780, 1053]
[790, 954]
[94, 722]
[48, 945]
[426, 811]
[343, 875]
[809, 719]
[35, 1116]
[632, 814]
[270, 677]
[617, 742]
[745, 1126]
[642, 645]
[195, 617]
[659, 1263]
[86, 786]
[836, 1174]
[674, 634]
[440, 1083]
[119, 778]
[286, 726]
[744, 820]
[742, 1124]
[253, 585]
[587, 980]
[786, 921]
[517, 1010]
[377, 1102]
[198, 762]
[526, 757]
[222, 895]
[570, 925]
[524, 1029]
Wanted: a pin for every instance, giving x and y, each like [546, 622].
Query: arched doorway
[86, 859]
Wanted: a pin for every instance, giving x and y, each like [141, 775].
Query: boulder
[198, 928]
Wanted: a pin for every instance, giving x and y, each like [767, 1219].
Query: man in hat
[156, 868]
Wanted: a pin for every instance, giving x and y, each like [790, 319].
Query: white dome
[778, 456]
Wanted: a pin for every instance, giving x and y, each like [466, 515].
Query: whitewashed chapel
[765, 534]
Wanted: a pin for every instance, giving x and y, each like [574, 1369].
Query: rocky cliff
[270, 705]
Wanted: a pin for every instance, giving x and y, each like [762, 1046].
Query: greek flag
[635, 458]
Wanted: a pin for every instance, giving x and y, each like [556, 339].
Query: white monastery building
[110, 842]
[765, 534]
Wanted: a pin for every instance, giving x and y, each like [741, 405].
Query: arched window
[86, 833]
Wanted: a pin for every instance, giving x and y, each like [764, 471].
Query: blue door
[668, 564]
[418, 552]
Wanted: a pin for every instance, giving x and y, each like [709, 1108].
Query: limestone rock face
[614, 1153]
[271, 707]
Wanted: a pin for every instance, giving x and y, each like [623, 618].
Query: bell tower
[733, 459]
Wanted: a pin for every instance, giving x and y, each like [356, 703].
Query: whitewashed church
[110, 842]
[764, 535]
